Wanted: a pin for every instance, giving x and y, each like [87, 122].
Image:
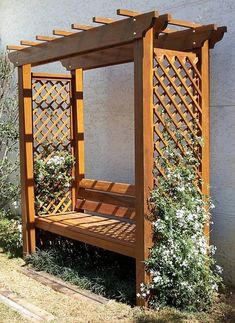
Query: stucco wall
[109, 95]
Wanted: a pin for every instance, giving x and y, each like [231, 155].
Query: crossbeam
[45, 38]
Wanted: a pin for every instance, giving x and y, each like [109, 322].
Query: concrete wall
[109, 95]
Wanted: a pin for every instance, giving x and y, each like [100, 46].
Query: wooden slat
[45, 38]
[49, 76]
[60, 32]
[81, 27]
[127, 13]
[26, 158]
[205, 120]
[143, 82]
[105, 208]
[101, 231]
[29, 43]
[14, 47]
[103, 20]
[77, 132]
[106, 197]
[118, 33]
[183, 23]
[119, 188]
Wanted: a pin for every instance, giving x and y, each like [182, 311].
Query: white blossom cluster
[182, 270]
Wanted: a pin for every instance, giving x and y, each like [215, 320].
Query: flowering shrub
[182, 271]
[52, 178]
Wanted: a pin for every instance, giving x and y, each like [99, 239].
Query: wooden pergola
[171, 75]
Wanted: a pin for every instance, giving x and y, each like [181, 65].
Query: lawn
[67, 309]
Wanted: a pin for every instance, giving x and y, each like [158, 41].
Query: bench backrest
[117, 199]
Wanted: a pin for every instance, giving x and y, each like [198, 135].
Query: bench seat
[104, 231]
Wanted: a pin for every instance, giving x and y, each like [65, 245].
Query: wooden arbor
[171, 75]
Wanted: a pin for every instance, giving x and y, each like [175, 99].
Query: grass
[69, 310]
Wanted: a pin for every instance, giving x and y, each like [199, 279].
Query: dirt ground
[67, 309]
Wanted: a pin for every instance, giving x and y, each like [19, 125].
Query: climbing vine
[182, 271]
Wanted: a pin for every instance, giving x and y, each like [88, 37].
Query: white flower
[138, 294]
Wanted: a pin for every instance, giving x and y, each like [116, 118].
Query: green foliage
[100, 271]
[52, 177]
[8, 134]
[182, 270]
[10, 234]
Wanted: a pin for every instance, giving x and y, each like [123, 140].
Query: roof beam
[121, 32]
[103, 20]
[127, 13]
[81, 27]
[60, 32]
[45, 38]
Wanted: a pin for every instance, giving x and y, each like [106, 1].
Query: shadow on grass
[103, 272]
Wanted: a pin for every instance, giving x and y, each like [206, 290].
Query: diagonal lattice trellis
[177, 97]
[51, 129]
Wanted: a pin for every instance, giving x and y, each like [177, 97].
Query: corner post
[143, 83]
[26, 158]
[77, 132]
[205, 88]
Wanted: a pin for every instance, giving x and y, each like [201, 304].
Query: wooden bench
[104, 217]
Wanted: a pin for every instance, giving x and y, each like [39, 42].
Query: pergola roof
[112, 42]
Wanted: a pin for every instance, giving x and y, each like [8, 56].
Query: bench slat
[105, 208]
[107, 197]
[118, 188]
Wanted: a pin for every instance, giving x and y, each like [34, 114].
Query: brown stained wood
[110, 56]
[205, 120]
[143, 82]
[77, 127]
[60, 32]
[118, 188]
[26, 159]
[107, 197]
[45, 38]
[103, 20]
[29, 43]
[186, 39]
[115, 34]
[105, 208]
[81, 27]
[101, 231]
[127, 13]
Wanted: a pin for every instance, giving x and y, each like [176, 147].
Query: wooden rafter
[14, 47]
[127, 13]
[103, 20]
[45, 38]
[81, 27]
[29, 43]
[183, 23]
[59, 32]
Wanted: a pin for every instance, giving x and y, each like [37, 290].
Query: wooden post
[77, 132]
[143, 81]
[205, 88]
[26, 158]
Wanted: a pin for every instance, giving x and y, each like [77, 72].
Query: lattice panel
[51, 126]
[177, 97]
